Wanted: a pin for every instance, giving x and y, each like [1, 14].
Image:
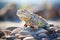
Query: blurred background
[48, 9]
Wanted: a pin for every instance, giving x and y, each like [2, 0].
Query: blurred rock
[8, 13]
[51, 11]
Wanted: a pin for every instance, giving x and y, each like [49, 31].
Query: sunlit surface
[4, 25]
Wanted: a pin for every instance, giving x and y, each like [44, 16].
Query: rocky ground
[4, 25]
[55, 23]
